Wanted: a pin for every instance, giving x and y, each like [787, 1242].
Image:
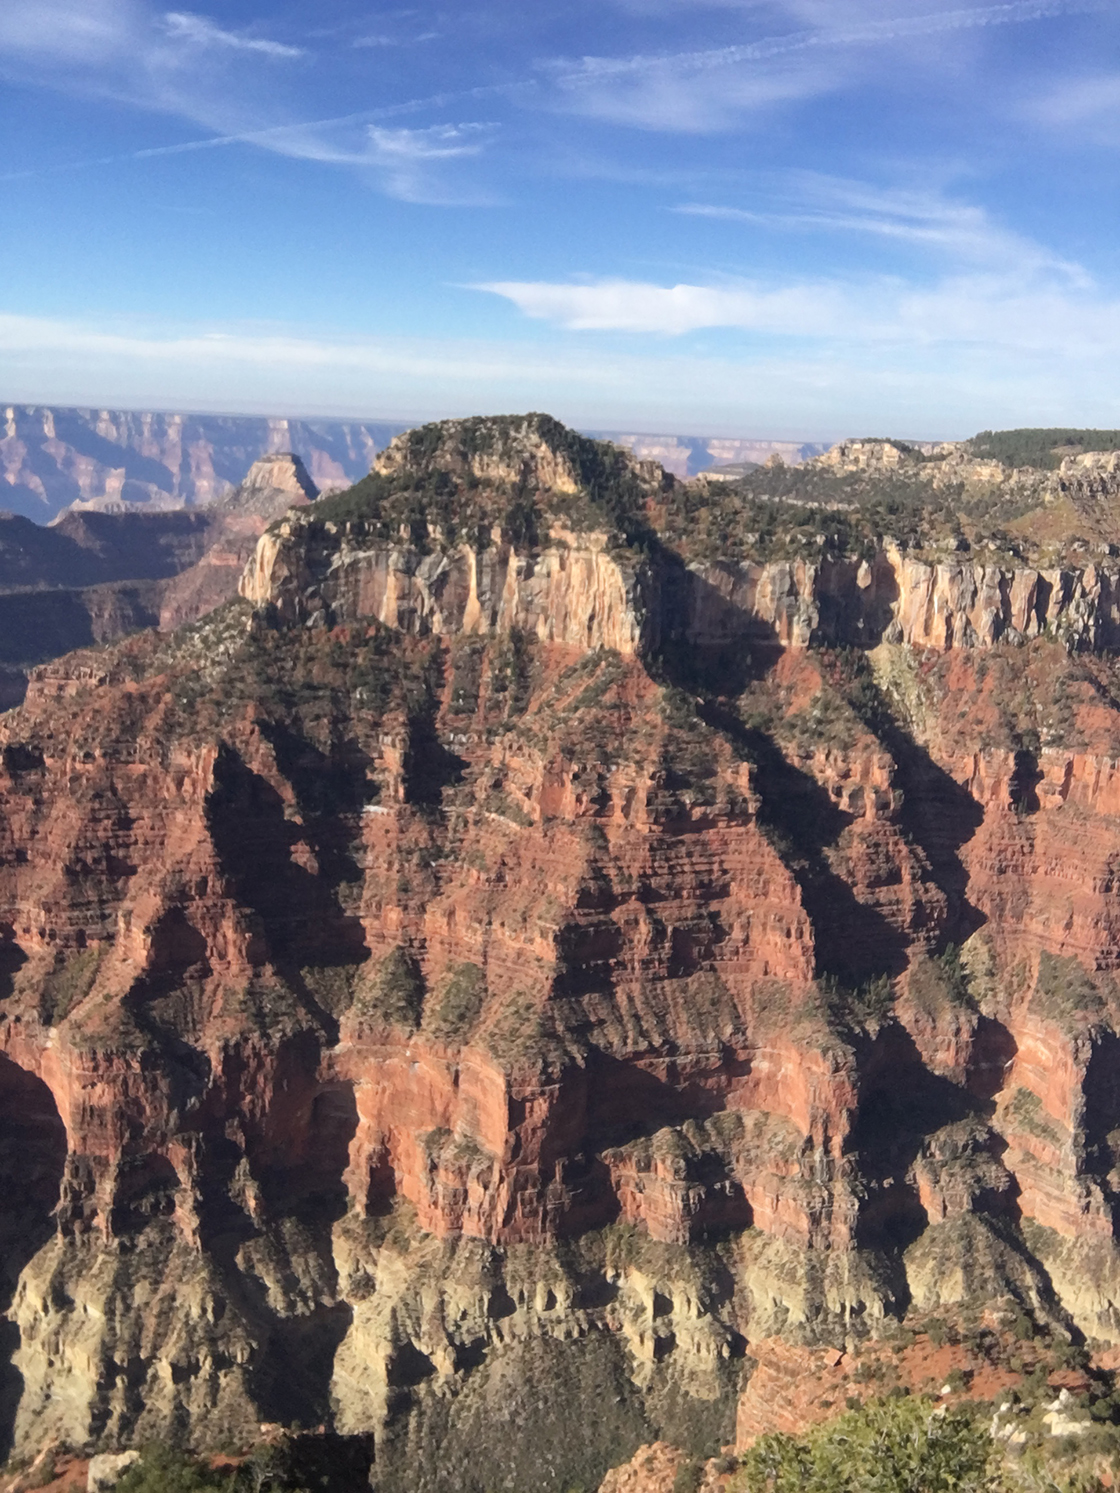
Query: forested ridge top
[1042, 447]
[1041, 496]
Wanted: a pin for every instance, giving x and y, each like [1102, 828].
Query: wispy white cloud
[1086, 106]
[200, 32]
[993, 313]
[71, 34]
[635, 306]
[856, 31]
[413, 162]
[382, 40]
[440, 142]
[183, 64]
[711, 87]
[914, 217]
[176, 63]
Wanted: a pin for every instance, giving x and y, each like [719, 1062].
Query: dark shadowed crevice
[1102, 1120]
[853, 941]
[901, 1104]
[32, 1160]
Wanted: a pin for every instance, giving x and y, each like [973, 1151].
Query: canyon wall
[429, 1009]
[579, 589]
[94, 577]
[472, 1040]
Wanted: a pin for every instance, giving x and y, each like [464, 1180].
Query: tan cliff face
[270, 479]
[574, 592]
[579, 592]
[898, 599]
[272, 486]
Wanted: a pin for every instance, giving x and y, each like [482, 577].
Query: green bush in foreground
[905, 1445]
[314, 1463]
[162, 1470]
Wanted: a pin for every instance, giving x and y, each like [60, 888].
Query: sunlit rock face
[502, 964]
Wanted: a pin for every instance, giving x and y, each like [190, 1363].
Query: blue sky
[774, 218]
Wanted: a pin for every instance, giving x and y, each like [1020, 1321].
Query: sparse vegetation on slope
[453, 481]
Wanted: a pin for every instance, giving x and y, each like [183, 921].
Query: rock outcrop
[575, 593]
[576, 590]
[273, 485]
[432, 1007]
[895, 598]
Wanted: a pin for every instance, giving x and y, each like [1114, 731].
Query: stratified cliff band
[561, 929]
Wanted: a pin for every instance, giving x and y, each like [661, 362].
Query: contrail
[274, 133]
[891, 29]
[592, 69]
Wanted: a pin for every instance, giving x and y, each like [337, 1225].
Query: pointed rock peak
[281, 471]
[274, 484]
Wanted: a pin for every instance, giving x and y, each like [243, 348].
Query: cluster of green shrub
[295, 1463]
[906, 1444]
[769, 513]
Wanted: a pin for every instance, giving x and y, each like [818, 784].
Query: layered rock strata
[455, 1025]
[114, 461]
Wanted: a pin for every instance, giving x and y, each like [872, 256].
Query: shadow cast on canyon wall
[908, 1116]
[993, 1051]
[303, 1192]
[853, 940]
[298, 912]
[1022, 787]
[717, 648]
[291, 1160]
[938, 813]
[1102, 1120]
[614, 1106]
[902, 1103]
[33, 1149]
[712, 640]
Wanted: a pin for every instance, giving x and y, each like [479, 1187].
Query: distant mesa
[98, 572]
[119, 461]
